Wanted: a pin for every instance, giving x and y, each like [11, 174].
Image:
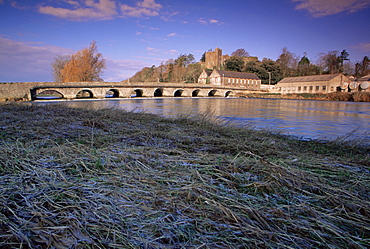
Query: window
[311, 88]
[324, 88]
[299, 89]
[317, 88]
[305, 88]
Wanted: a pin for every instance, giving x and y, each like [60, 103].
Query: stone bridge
[99, 90]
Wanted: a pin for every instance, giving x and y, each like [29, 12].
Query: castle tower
[214, 59]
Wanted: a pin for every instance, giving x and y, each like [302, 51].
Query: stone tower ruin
[214, 59]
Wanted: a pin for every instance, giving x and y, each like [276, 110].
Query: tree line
[186, 69]
[87, 65]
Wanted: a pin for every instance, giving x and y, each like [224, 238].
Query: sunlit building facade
[230, 78]
[325, 83]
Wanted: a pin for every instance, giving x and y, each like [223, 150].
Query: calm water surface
[306, 119]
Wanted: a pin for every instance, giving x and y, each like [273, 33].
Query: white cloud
[320, 8]
[144, 8]
[25, 61]
[71, 2]
[85, 10]
[149, 4]
[202, 21]
[147, 27]
[172, 34]
[210, 21]
[152, 49]
[101, 10]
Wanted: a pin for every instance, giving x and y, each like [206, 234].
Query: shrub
[340, 96]
[361, 96]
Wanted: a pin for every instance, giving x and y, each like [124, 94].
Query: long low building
[325, 83]
[230, 78]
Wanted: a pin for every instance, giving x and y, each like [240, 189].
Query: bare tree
[330, 62]
[240, 53]
[288, 62]
[57, 66]
[86, 65]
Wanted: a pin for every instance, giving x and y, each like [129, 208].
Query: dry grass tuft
[74, 178]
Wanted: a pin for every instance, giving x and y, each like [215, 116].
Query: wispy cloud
[202, 21]
[30, 61]
[118, 70]
[365, 46]
[147, 27]
[210, 21]
[321, 8]
[86, 10]
[172, 34]
[155, 50]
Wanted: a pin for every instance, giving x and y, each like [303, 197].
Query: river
[305, 119]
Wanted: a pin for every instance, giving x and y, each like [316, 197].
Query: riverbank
[107, 178]
[335, 96]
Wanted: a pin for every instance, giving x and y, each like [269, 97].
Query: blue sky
[132, 34]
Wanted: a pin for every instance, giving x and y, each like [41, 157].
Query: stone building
[204, 77]
[230, 78]
[325, 83]
[215, 59]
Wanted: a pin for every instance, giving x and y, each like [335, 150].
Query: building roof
[323, 77]
[240, 75]
[364, 78]
[208, 72]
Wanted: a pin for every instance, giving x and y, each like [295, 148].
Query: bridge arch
[195, 93]
[158, 92]
[137, 93]
[85, 94]
[112, 93]
[212, 93]
[229, 93]
[178, 92]
[48, 94]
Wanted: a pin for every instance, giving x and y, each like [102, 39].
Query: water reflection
[302, 118]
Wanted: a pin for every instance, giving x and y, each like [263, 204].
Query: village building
[325, 83]
[230, 78]
[204, 77]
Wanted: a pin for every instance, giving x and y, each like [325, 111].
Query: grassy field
[77, 178]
